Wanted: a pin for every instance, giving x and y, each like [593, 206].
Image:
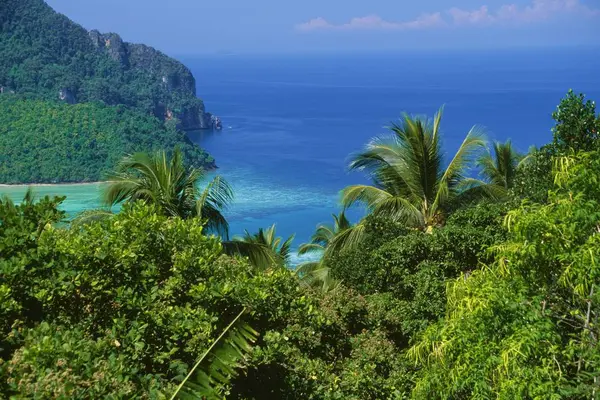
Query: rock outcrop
[89, 66]
[67, 96]
[175, 80]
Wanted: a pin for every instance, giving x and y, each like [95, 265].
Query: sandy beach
[18, 185]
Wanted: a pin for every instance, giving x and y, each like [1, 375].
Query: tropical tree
[316, 273]
[500, 168]
[253, 246]
[173, 187]
[409, 181]
[175, 190]
[577, 124]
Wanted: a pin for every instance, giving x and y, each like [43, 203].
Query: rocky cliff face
[44, 54]
[175, 81]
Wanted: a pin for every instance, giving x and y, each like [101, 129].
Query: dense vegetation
[52, 142]
[492, 293]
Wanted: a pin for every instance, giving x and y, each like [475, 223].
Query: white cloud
[374, 22]
[538, 10]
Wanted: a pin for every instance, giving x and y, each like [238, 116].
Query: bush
[122, 307]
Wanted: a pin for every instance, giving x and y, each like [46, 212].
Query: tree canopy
[47, 142]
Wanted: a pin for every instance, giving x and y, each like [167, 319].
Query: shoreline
[25, 185]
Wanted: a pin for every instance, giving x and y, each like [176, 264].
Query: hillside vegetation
[45, 55]
[126, 97]
[48, 142]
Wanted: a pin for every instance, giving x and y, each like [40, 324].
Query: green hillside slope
[49, 142]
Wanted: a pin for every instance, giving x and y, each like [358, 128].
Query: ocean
[290, 122]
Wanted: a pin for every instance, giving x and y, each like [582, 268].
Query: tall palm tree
[500, 167]
[173, 187]
[316, 273]
[409, 181]
[280, 250]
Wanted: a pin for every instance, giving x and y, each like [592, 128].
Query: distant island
[59, 82]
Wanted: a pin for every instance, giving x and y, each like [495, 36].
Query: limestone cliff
[171, 77]
[44, 53]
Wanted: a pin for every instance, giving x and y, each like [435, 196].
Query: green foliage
[138, 297]
[316, 273]
[52, 142]
[157, 287]
[337, 345]
[67, 363]
[20, 227]
[534, 176]
[414, 266]
[525, 327]
[500, 167]
[266, 238]
[577, 125]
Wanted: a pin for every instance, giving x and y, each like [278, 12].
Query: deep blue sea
[290, 122]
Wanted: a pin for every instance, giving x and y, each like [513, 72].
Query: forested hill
[45, 55]
[50, 142]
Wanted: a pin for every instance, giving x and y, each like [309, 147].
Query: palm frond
[347, 239]
[474, 142]
[171, 186]
[259, 255]
[341, 222]
[308, 248]
[369, 196]
[526, 158]
[29, 196]
[267, 239]
[500, 167]
[317, 276]
[214, 371]
[286, 248]
[471, 187]
[214, 199]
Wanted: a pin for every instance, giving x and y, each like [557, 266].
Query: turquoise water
[79, 197]
[290, 123]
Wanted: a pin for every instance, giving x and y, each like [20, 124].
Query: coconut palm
[171, 186]
[316, 273]
[279, 251]
[409, 181]
[500, 167]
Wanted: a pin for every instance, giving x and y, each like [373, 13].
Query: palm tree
[316, 273]
[499, 169]
[324, 234]
[409, 181]
[280, 251]
[172, 187]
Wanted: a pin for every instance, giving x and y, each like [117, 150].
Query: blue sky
[186, 27]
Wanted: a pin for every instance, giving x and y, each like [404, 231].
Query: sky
[189, 27]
